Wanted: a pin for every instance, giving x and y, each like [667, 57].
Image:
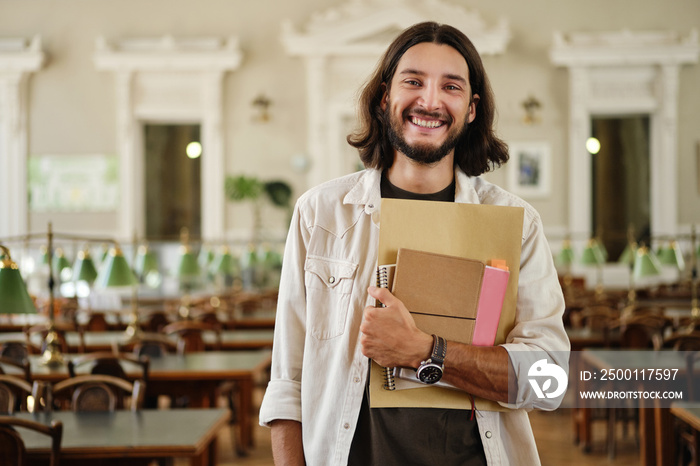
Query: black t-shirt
[415, 436]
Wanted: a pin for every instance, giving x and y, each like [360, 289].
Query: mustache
[419, 111]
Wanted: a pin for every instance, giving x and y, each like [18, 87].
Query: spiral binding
[383, 282]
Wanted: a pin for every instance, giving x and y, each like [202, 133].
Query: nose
[430, 97]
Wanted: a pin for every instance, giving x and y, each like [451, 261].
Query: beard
[424, 154]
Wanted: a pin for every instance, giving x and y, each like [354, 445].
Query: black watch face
[430, 373]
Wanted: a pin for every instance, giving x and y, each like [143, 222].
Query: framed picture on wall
[530, 169]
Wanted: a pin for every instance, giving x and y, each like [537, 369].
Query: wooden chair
[97, 322]
[95, 392]
[152, 345]
[14, 349]
[155, 321]
[643, 332]
[22, 366]
[688, 439]
[12, 449]
[190, 334]
[209, 317]
[109, 363]
[14, 393]
[683, 341]
[636, 332]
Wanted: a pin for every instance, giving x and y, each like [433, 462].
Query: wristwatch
[430, 370]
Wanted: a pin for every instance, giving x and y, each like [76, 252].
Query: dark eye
[412, 82]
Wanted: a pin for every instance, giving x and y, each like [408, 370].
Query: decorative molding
[169, 79]
[168, 53]
[18, 59]
[624, 48]
[340, 47]
[359, 27]
[625, 72]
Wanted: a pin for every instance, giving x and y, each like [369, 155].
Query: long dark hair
[477, 152]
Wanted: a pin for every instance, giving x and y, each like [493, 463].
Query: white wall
[72, 106]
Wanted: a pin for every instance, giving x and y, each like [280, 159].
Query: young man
[427, 133]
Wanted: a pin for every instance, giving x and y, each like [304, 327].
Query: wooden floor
[553, 433]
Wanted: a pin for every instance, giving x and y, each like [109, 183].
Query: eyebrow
[454, 77]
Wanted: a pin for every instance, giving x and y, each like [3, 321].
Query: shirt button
[371, 206]
[331, 280]
[356, 380]
[488, 434]
[346, 426]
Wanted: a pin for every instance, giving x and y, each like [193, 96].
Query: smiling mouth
[426, 123]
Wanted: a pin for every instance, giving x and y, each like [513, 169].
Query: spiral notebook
[459, 299]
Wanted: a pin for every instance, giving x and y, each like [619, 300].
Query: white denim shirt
[318, 371]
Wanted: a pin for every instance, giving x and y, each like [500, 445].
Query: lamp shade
[14, 298]
[672, 255]
[84, 268]
[206, 256]
[61, 265]
[44, 255]
[601, 250]
[566, 254]
[628, 254]
[115, 272]
[645, 264]
[146, 261]
[592, 254]
[223, 263]
[187, 269]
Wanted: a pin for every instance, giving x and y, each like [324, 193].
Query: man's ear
[385, 97]
[472, 108]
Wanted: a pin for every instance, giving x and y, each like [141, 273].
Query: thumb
[383, 295]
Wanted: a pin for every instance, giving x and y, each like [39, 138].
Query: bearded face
[425, 153]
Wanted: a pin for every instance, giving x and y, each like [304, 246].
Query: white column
[130, 168]
[13, 155]
[579, 158]
[213, 166]
[664, 171]
[315, 98]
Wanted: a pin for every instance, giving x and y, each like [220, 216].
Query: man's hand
[389, 334]
[391, 338]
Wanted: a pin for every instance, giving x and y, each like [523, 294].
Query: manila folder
[475, 231]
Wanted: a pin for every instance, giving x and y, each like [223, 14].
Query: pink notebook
[493, 291]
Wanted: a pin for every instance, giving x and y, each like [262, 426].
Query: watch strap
[439, 350]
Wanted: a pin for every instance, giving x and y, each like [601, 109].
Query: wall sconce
[532, 107]
[261, 104]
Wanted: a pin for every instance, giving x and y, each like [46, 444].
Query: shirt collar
[367, 190]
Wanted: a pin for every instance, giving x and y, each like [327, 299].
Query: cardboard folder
[472, 231]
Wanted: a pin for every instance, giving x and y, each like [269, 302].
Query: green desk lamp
[116, 273]
[14, 298]
[593, 255]
[146, 267]
[187, 271]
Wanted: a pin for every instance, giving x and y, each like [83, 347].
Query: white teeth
[425, 124]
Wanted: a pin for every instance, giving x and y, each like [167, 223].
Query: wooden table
[688, 413]
[656, 442]
[233, 340]
[197, 376]
[147, 434]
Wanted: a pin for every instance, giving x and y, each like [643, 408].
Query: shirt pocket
[329, 284]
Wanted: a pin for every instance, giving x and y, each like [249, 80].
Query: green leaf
[241, 188]
[279, 192]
